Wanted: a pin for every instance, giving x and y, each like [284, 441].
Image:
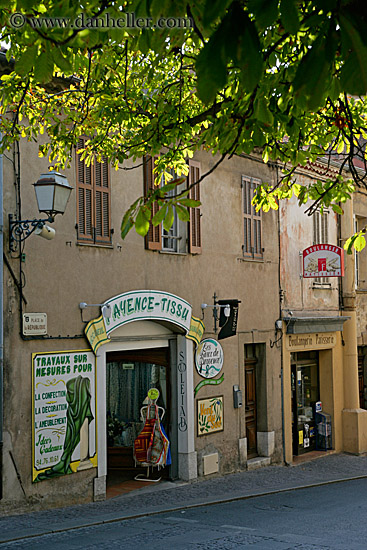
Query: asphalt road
[330, 517]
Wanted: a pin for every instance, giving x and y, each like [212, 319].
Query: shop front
[146, 347]
[305, 396]
[312, 381]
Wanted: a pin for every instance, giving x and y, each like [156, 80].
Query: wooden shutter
[195, 213]
[252, 221]
[102, 190]
[85, 198]
[153, 239]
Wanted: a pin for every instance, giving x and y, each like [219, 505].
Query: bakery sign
[323, 260]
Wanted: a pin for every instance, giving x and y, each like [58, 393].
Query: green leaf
[25, 64]
[126, 225]
[311, 76]
[354, 71]
[211, 68]
[289, 16]
[191, 203]
[168, 221]
[44, 66]
[360, 242]
[265, 11]
[263, 113]
[62, 62]
[160, 215]
[337, 209]
[182, 213]
[213, 10]
[141, 224]
[249, 57]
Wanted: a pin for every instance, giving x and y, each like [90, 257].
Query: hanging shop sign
[147, 305]
[197, 329]
[209, 358]
[96, 334]
[34, 324]
[323, 260]
[210, 415]
[64, 413]
[228, 324]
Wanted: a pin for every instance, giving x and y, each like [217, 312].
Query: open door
[129, 376]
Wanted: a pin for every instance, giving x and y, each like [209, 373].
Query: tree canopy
[286, 78]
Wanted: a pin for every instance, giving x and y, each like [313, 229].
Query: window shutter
[247, 222]
[252, 220]
[102, 202]
[256, 216]
[153, 239]
[195, 213]
[84, 198]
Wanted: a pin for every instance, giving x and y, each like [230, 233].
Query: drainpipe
[281, 340]
[1, 322]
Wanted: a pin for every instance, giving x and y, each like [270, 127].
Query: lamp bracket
[20, 230]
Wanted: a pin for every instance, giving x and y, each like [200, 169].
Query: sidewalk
[169, 496]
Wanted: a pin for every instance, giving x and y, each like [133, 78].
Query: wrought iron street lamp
[52, 194]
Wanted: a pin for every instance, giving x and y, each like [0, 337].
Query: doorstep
[125, 487]
[258, 462]
[312, 455]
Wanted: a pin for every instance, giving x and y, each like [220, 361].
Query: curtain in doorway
[127, 388]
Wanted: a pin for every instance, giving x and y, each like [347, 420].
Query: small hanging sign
[323, 260]
[209, 358]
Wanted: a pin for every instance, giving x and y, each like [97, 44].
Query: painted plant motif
[210, 415]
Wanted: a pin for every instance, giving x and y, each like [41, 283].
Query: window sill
[96, 245]
[172, 253]
[361, 290]
[321, 286]
[256, 260]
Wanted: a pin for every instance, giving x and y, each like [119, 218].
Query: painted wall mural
[64, 417]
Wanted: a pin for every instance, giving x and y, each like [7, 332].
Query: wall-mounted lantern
[52, 194]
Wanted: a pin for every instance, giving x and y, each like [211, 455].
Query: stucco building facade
[232, 253]
[319, 332]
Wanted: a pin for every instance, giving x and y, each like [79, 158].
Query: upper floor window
[182, 236]
[93, 200]
[360, 258]
[252, 220]
[321, 236]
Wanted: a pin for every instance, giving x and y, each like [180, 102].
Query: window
[182, 237]
[93, 201]
[360, 258]
[252, 220]
[321, 236]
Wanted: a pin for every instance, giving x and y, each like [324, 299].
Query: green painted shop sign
[146, 305]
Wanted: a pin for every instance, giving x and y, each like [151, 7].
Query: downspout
[1, 322]
[281, 341]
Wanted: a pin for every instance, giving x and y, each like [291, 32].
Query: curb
[162, 510]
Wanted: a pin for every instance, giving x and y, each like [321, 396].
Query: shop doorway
[305, 394]
[129, 376]
[362, 350]
[250, 406]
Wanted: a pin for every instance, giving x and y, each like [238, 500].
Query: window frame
[191, 232]
[251, 220]
[93, 196]
[320, 235]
